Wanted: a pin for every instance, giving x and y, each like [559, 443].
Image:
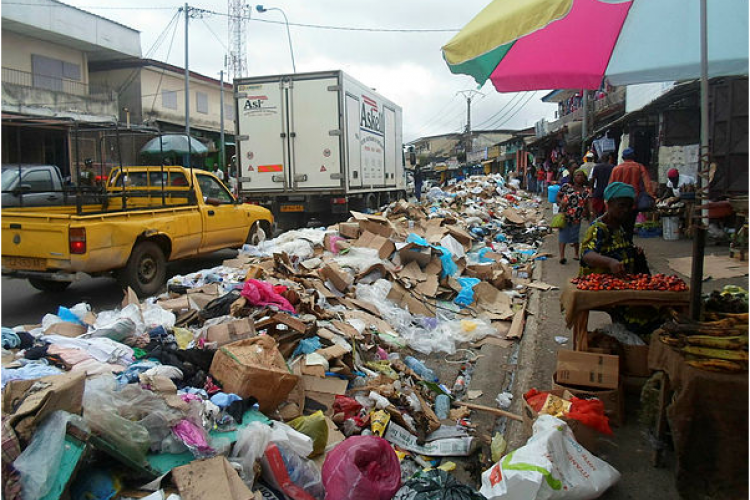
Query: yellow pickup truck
[147, 216]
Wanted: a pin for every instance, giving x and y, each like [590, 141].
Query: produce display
[719, 344]
[731, 299]
[630, 282]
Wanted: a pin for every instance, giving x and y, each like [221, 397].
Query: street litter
[283, 367]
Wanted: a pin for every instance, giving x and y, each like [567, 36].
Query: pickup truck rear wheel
[146, 270]
[49, 285]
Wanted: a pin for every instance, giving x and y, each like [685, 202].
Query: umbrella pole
[585, 122]
[699, 246]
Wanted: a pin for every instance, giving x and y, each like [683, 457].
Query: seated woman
[606, 248]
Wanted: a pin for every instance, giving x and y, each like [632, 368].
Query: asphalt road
[23, 304]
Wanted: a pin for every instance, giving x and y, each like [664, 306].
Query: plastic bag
[558, 221]
[436, 484]
[362, 467]
[315, 427]
[466, 296]
[298, 478]
[551, 465]
[251, 442]
[39, 462]
[100, 409]
[300, 443]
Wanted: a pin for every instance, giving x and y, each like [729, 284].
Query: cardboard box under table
[587, 375]
[254, 367]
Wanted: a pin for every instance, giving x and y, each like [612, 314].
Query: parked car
[35, 186]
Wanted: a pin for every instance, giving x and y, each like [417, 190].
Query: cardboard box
[635, 360]
[586, 436]
[411, 252]
[26, 409]
[613, 399]
[340, 279]
[588, 369]
[254, 367]
[66, 329]
[324, 390]
[384, 246]
[231, 331]
[349, 230]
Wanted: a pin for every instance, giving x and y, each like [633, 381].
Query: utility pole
[187, 85]
[468, 95]
[222, 151]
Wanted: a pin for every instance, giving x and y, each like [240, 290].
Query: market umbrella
[173, 144]
[572, 44]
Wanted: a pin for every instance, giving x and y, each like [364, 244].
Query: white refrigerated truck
[316, 144]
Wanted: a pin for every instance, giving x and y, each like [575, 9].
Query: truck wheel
[257, 234]
[146, 270]
[49, 285]
[372, 202]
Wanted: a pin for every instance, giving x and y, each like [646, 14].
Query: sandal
[563, 261]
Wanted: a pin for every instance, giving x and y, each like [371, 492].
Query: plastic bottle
[420, 369]
[442, 406]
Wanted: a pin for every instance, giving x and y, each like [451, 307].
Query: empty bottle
[420, 369]
[442, 406]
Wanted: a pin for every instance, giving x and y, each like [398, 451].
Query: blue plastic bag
[466, 295]
[66, 314]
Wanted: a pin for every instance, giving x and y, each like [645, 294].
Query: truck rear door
[29, 240]
[353, 145]
[263, 155]
[391, 146]
[315, 134]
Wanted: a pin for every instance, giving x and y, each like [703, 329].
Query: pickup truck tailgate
[33, 237]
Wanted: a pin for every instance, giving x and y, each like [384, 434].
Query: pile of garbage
[290, 371]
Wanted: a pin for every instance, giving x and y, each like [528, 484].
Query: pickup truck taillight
[338, 201]
[77, 240]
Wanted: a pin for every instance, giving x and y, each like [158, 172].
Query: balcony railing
[56, 84]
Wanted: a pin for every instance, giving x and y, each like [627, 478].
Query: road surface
[23, 304]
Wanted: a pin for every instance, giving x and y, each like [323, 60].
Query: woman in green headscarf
[606, 249]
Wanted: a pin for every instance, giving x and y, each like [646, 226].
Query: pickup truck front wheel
[146, 270]
[49, 285]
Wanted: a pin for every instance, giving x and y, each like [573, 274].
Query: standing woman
[574, 200]
[540, 176]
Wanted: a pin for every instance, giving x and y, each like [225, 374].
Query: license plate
[25, 263]
[292, 208]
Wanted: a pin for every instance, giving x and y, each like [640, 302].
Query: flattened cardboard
[587, 369]
[411, 252]
[181, 303]
[516, 327]
[384, 246]
[66, 329]
[512, 216]
[324, 390]
[461, 236]
[231, 331]
[349, 230]
[210, 478]
[130, 298]
[406, 300]
[340, 279]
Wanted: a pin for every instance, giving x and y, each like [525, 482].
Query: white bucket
[670, 228]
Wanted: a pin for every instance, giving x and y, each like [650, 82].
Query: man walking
[633, 173]
[418, 182]
[599, 180]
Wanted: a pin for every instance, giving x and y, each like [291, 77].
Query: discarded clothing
[260, 293]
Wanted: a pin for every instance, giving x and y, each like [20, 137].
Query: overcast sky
[405, 67]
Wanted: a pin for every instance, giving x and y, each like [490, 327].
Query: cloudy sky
[405, 66]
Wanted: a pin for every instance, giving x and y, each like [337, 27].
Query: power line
[519, 109]
[161, 76]
[503, 108]
[215, 35]
[510, 110]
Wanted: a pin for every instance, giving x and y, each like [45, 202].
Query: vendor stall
[578, 303]
[708, 420]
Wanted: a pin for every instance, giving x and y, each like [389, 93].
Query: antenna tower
[239, 13]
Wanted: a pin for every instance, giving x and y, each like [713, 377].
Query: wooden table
[577, 304]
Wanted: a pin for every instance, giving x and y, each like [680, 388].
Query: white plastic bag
[250, 445]
[551, 465]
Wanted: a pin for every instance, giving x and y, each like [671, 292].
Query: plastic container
[552, 193]
[670, 228]
[442, 406]
[420, 369]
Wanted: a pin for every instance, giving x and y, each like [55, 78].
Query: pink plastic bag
[361, 468]
[260, 293]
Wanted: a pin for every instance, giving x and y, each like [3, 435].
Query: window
[211, 188]
[201, 102]
[48, 73]
[40, 181]
[229, 112]
[169, 99]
